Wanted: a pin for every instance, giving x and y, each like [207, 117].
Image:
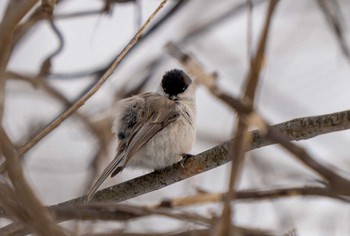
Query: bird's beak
[173, 97]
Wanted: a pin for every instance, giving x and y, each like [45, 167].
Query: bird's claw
[185, 156]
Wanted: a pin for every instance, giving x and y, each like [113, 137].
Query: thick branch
[297, 129]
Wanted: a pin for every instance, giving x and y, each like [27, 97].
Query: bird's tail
[113, 168]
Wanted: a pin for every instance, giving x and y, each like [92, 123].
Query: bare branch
[297, 129]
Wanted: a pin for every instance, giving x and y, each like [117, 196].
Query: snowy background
[306, 74]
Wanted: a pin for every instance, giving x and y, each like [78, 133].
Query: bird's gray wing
[158, 113]
[128, 117]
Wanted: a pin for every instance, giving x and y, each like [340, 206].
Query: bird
[153, 130]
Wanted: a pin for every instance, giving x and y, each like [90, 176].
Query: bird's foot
[185, 156]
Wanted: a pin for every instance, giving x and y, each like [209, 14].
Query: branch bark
[296, 129]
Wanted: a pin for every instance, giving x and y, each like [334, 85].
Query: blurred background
[307, 72]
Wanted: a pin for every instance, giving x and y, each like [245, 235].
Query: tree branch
[296, 129]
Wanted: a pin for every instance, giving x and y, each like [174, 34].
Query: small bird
[155, 129]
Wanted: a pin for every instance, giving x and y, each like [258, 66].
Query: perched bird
[154, 130]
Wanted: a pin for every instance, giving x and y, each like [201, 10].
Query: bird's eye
[183, 88]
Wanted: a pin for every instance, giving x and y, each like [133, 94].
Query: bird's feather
[106, 172]
[155, 113]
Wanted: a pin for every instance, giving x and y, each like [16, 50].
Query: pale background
[306, 74]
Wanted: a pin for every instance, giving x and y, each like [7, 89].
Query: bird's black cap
[175, 82]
